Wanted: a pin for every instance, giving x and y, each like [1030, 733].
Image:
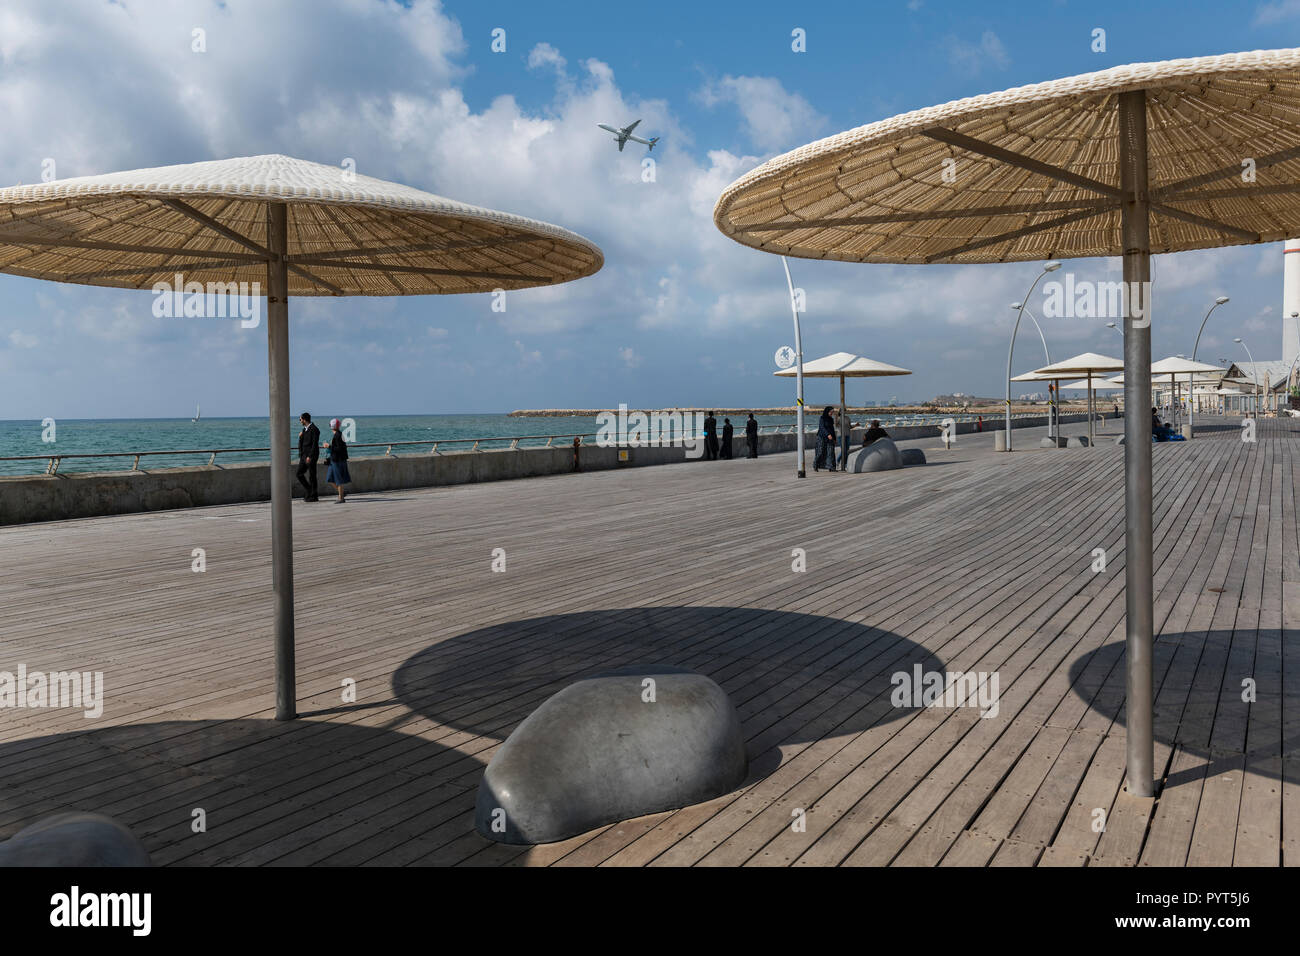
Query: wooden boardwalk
[977, 562]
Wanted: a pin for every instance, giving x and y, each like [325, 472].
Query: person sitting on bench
[1159, 431]
[873, 433]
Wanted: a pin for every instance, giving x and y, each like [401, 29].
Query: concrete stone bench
[881, 455]
[609, 748]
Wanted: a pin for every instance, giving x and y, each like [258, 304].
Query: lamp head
[1110, 325]
[1017, 305]
[1051, 266]
[1238, 341]
[1221, 300]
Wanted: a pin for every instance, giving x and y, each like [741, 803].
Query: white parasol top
[348, 234]
[845, 364]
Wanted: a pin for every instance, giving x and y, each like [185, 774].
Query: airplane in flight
[624, 134]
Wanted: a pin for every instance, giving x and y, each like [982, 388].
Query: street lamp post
[1191, 387]
[1296, 317]
[1051, 408]
[1050, 267]
[1254, 373]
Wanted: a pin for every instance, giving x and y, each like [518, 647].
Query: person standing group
[715, 449]
[336, 472]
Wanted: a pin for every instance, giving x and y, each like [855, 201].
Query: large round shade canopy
[1130, 161]
[846, 365]
[1174, 365]
[302, 229]
[1030, 173]
[347, 234]
[1082, 364]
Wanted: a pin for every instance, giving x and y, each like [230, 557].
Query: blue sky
[679, 315]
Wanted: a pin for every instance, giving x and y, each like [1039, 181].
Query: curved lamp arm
[1050, 267]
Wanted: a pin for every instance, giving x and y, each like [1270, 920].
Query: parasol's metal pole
[1090, 409]
[1135, 214]
[844, 435]
[277, 341]
[798, 351]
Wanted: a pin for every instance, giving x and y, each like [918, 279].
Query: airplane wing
[622, 141]
[628, 129]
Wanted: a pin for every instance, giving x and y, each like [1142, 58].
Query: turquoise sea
[198, 439]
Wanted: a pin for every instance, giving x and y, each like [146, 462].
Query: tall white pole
[1135, 225]
[277, 341]
[1191, 410]
[798, 354]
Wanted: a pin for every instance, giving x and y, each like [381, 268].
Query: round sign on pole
[784, 357]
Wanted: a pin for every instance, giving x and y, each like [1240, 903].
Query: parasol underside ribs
[413, 270]
[1167, 191]
[974, 212]
[1196, 220]
[185, 209]
[1011, 158]
[12, 240]
[151, 270]
[1023, 231]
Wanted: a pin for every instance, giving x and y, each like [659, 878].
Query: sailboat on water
[197, 414]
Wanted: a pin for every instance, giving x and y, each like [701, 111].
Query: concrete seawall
[26, 499]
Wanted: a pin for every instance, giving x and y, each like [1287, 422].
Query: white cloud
[971, 58]
[545, 55]
[774, 118]
[1268, 14]
[629, 357]
[21, 340]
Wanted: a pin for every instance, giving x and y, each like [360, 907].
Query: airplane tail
[653, 140]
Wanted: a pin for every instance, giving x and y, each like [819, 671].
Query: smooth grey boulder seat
[912, 456]
[1061, 442]
[881, 455]
[598, 752]
[1079, 441]
[74, 839]
[1119, 439]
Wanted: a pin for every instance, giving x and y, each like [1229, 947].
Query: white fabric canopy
[846, 364]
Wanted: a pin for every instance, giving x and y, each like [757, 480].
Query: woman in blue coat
[336, 472]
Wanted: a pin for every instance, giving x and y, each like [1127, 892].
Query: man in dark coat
[751, 436]
[308, 452]
[825, 441]
[727, 433]
[710, 437]
[873, 433]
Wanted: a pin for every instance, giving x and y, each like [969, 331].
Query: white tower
[1290, 300]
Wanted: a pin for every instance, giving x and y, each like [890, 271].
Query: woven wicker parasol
[1031, 173]
[302, 229]
[1152, 157]
[347, 234]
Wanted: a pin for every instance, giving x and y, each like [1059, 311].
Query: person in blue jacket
[336, 471]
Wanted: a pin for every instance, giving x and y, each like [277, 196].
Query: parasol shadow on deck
[793, 678]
